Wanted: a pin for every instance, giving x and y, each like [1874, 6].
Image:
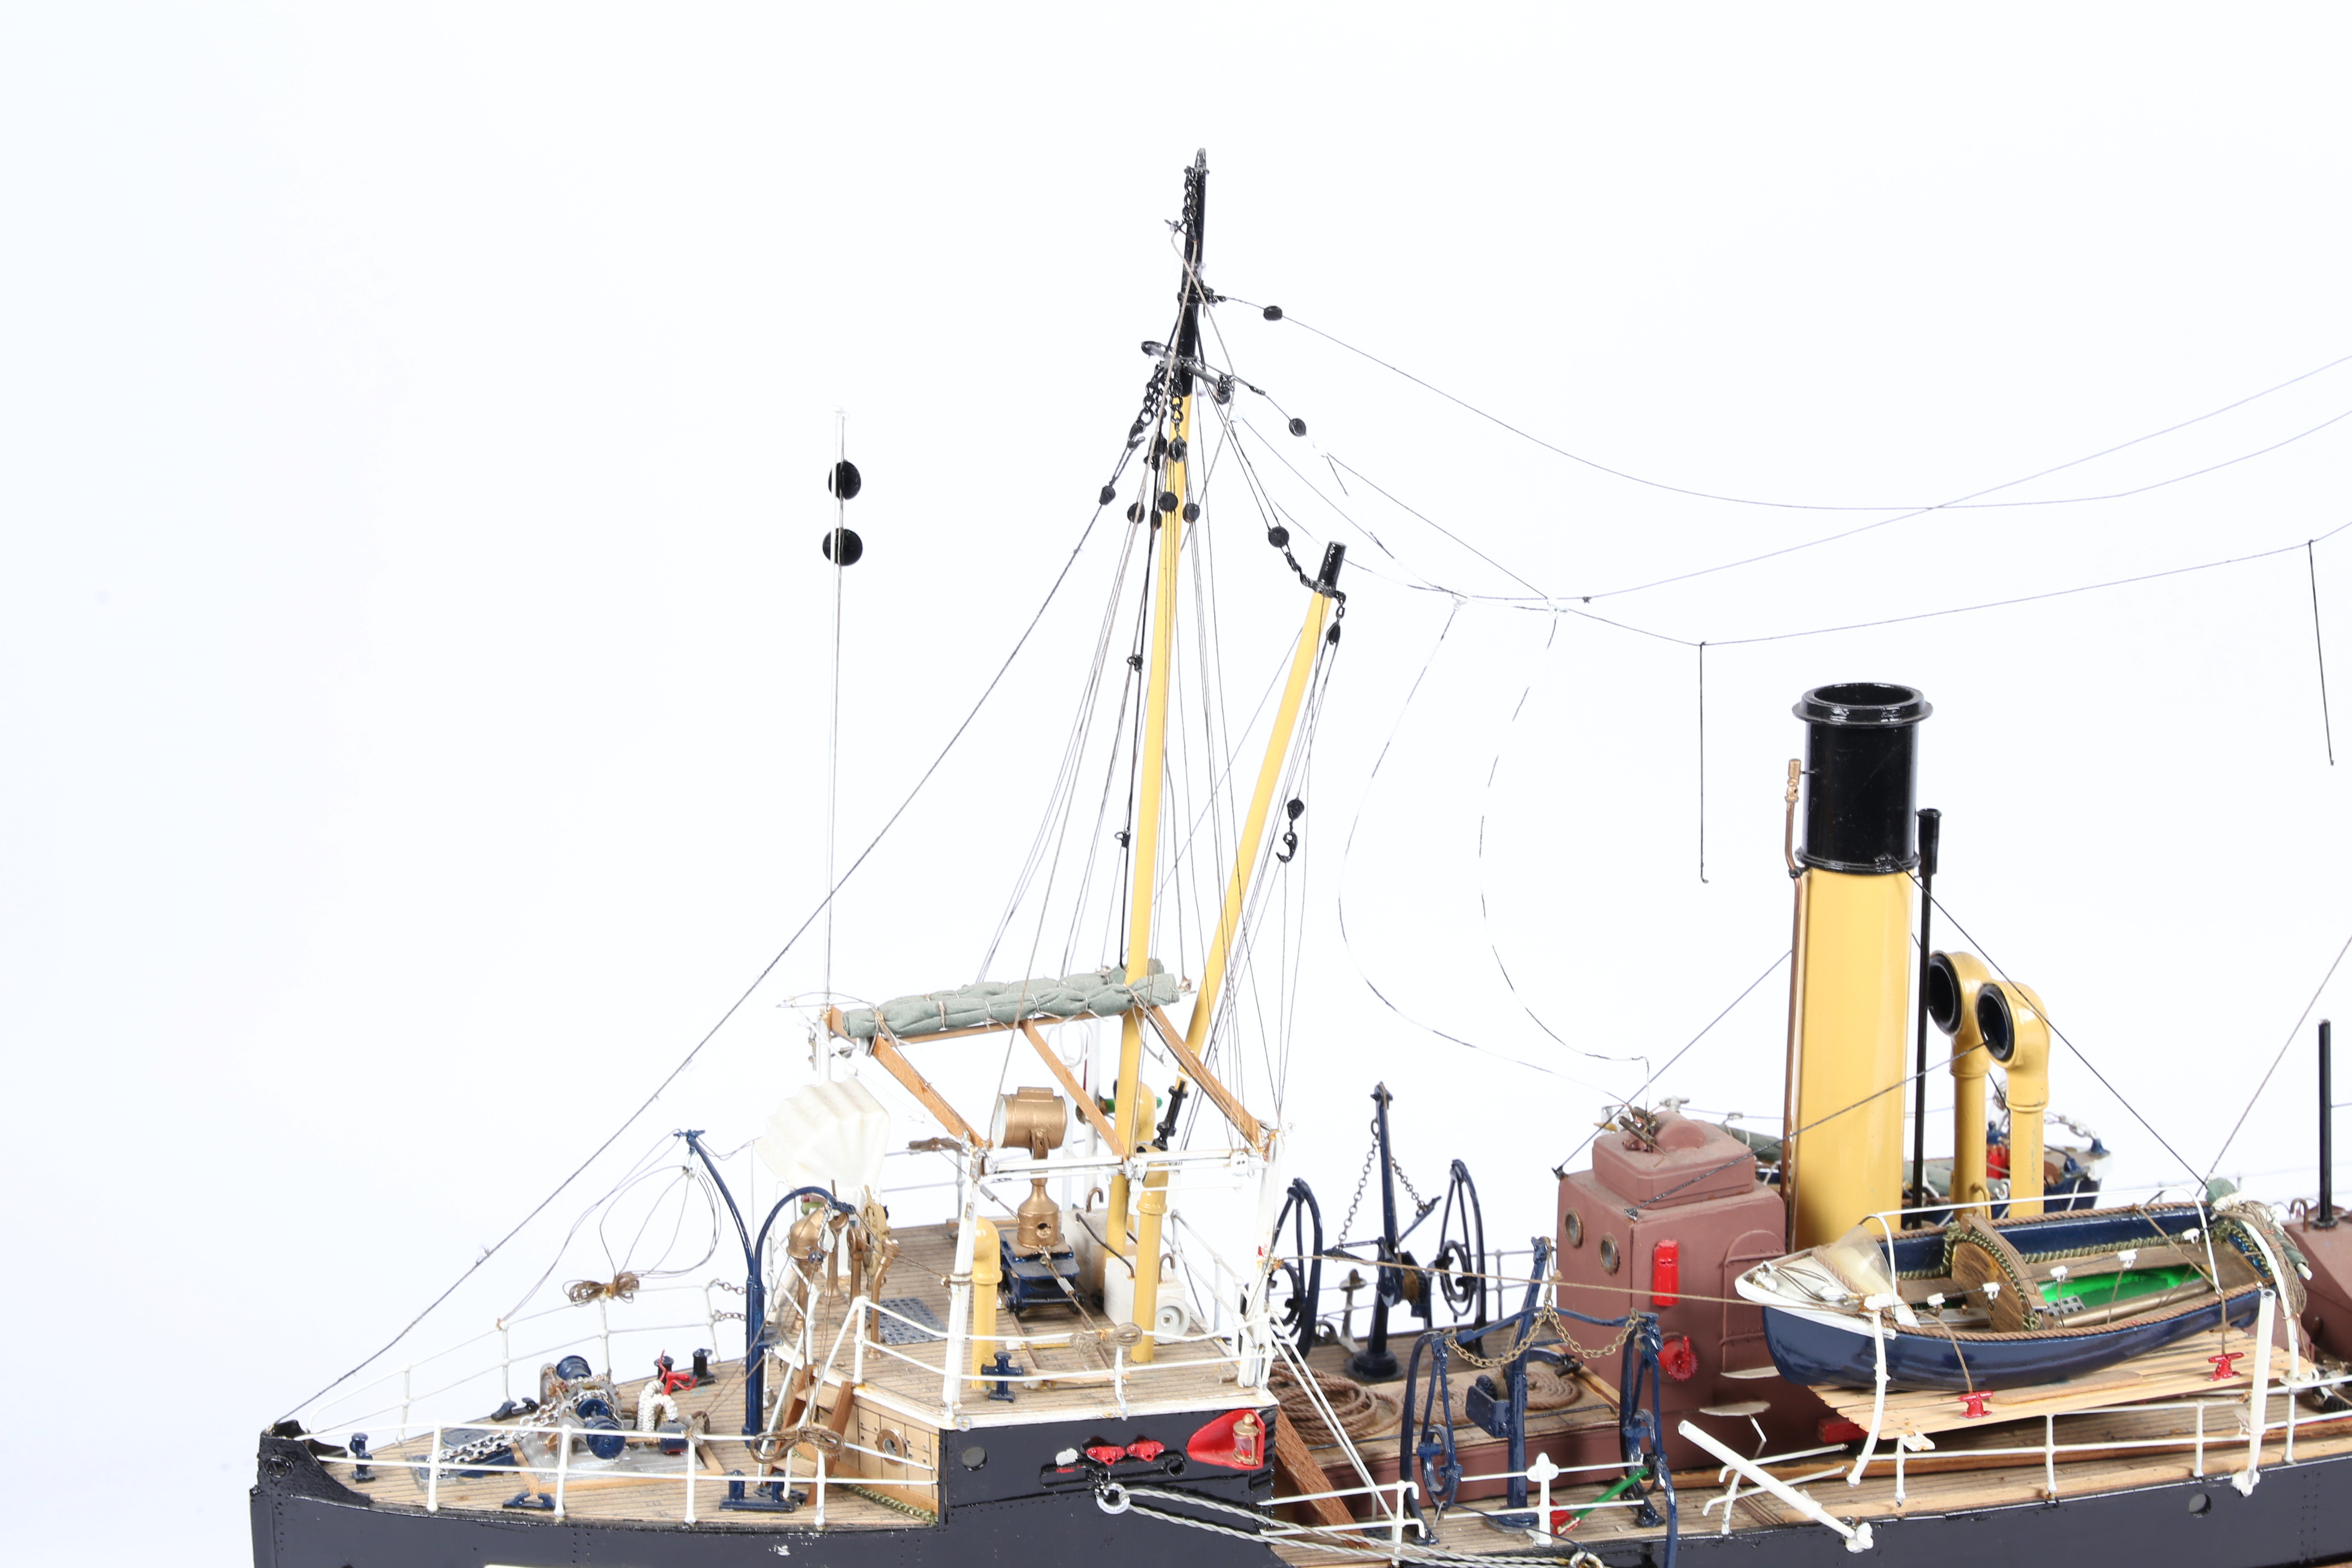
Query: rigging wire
[839, 551]
[1779, 959]
[1979, 950]
[2319, 650]
[1485, 917]
[2238, 1126]
[769, 968]
[1969, 502]
[1346, 941]
[1560, 605]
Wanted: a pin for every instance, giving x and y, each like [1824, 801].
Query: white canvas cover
[828, 1134]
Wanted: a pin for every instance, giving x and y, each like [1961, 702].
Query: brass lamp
[1034, 1119]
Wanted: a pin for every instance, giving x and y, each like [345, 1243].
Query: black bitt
[1862, 751]
[1931, 835]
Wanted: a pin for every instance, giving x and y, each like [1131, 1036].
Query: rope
[1363, 1412]
[622, 1286]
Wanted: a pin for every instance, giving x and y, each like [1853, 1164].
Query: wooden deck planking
[2183, 1371]
[1184, 1373]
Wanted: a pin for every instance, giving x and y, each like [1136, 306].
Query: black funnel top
[1860, 754]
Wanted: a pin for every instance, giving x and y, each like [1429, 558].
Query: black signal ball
[1298, 427]
[1273, 312]
[852, 547]
[844, 481]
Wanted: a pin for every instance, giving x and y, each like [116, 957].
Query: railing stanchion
[2258, 1396]
[506, 1363]
[562, 1463]
[2050, 1456]
[820, 1488]
[403, 1396]
[2201, 1437]
[432, 1475]
[690, 1475]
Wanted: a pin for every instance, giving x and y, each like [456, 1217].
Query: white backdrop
[412, 655]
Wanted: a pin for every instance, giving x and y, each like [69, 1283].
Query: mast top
[1189, 288]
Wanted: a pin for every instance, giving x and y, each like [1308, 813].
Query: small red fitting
[1677, 1359]
[1973, 1405]
[1145, 1448]
[1106, 1453]
[2225, 1365]
[1665, 1273]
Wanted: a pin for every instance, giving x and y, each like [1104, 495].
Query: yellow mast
[1126, 1113]
[1168, 520]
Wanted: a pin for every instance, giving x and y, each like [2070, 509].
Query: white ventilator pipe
[1857, 1536]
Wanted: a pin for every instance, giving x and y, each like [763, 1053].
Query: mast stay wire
[1973, 502]
[1979, 948]
[1062, 797]
[1667, 1066]
[2295, 1029]
[1559, 604]
[1019, 642]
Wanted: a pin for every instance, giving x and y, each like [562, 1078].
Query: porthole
[975, 1457]
[1572, 1228]
[889, 1444]
[1609, 1255]
[2198, 1503]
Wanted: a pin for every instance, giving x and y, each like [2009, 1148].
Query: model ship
[1130, 1338]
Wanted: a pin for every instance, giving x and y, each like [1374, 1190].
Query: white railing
[337, 1412]
[563, 1438]
[1117, 1377]
[2250, 1408]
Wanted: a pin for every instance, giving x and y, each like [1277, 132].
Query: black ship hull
[2299, 1514]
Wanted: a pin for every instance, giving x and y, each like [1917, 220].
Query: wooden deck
[896, 1409]
[1060, 1344]
[2163, 1419]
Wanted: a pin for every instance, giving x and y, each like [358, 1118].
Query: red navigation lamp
[1235, 1440]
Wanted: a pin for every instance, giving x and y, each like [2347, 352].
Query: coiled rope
[621, 1287]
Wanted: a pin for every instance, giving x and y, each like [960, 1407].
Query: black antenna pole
[1931, 834]
[2327, 1220]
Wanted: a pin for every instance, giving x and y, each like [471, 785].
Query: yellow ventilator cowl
[2017, 1036]
[1954, 982]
